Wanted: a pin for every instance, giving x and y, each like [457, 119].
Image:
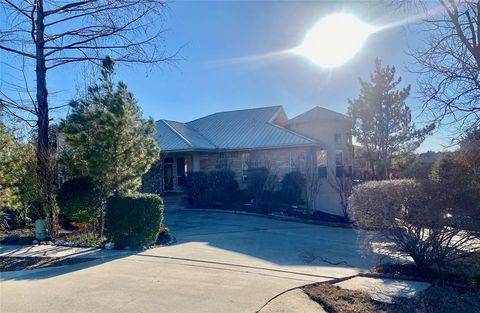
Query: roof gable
[317, 114]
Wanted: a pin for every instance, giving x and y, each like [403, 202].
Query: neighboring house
[260, 137]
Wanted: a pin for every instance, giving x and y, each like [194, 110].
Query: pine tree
[107, 138]
[383, 122]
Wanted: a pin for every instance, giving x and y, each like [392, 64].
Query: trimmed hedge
[133, 220]
[79, 200]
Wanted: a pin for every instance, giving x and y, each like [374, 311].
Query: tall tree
[107, 138]
[448, 62]
[50, 34]
[383, 122]
[10, 169]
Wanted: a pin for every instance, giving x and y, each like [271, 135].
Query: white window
[339, 169]
[321, 157]
[322, 163]
[339, 158]
[338, 138]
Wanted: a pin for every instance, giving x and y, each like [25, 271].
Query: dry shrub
[424, 219]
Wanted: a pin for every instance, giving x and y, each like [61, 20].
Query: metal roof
[232, 130]
[317, 114]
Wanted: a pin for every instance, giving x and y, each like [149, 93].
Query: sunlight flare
[334, 40]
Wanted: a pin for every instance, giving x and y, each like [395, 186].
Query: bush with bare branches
[421, 218]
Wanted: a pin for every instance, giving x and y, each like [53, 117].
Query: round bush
[292, 186]
[133, 220]
[79, 200]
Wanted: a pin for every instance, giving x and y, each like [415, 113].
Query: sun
[334, 40]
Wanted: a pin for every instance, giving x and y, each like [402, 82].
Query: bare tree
[313, 181]
[448, 62]
[342, 184]
[49, 34]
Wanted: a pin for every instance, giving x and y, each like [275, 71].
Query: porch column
[196, 162]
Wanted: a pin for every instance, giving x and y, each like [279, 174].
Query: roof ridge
[191, 127]
[177, 133]
[248, 109]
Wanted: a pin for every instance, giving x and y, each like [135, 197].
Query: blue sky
[218, 70]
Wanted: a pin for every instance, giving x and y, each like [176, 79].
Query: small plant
[133, 220]
[79, 200]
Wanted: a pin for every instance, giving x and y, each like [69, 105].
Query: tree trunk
[44, 168]
[103, 206]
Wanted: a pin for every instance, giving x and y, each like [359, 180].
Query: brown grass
[436, 299]
[337, 300]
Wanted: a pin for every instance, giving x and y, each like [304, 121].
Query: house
[259, 137]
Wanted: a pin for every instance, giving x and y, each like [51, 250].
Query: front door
[168, 177]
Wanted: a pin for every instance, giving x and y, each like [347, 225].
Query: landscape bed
[436, 299]
[12, 263]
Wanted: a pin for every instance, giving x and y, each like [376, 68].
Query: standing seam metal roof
[232, 130]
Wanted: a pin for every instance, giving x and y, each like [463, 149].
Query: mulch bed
[28, 263]
[436, 299]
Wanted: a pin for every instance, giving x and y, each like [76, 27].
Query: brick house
[260, 137]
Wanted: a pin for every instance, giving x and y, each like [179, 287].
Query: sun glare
[334, 40]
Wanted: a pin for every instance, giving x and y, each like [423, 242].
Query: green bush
[133, 220]
[79, 200]
[152, 180]
[257, 177]
[215, 187]
[292, 187]
[196, 186]
[221, 186]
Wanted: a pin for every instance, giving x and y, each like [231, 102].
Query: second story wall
[334, 135]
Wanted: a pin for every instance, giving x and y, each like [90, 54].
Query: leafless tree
[49, 34]
[342, 184]
[313, 182]
[448, 62]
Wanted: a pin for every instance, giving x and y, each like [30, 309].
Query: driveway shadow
[97, 256]
[278, 242]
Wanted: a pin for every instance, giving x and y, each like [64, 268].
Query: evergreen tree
[107, 138]
[383, 122]
[10, 169]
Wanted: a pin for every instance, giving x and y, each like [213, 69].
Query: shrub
[152, 180]
[292, 187]
[196, 186]
[257, 177]
[421, 219]
[242, 195]
[79, 200]
[221, 186]
[133, 220]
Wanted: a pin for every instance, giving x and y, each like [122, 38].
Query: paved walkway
[221, 263]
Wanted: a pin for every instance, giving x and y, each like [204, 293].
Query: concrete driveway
[221, 263]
